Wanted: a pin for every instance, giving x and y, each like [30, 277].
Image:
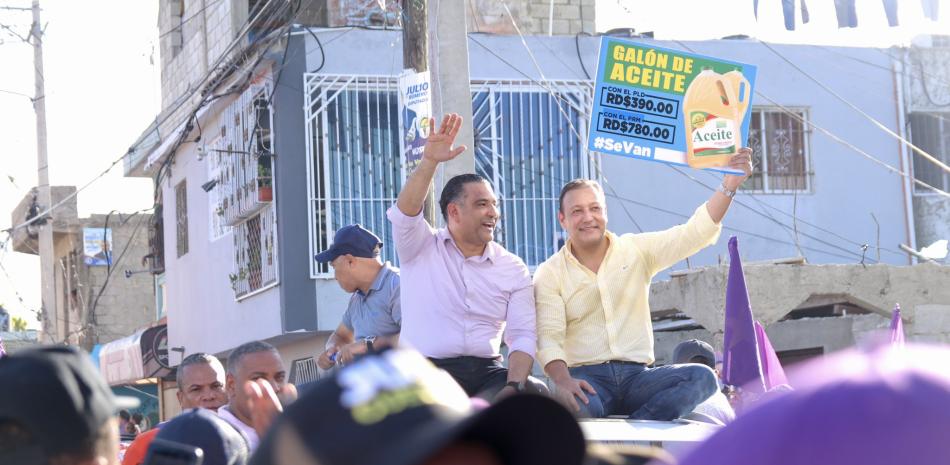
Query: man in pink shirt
[460, 289]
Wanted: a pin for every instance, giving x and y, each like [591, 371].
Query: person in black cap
[397, 408]
[219, 442]
[716, 405]
[373, 316]
[56, 409]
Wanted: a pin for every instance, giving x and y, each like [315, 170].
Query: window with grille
[181, 218]
[355, 170]
[255, 254]
[530, 141]
[781, 161]
[217, 225]
[303, 370]
[930, 131]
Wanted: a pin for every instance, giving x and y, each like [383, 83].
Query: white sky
[705, 19]
[103, 89]
[101, 93]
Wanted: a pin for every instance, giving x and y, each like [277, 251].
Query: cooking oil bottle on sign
[713, 109]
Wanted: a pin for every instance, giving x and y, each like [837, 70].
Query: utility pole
[415, 56]
[451, 87]
[51, 320]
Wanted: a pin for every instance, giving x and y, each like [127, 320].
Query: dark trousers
[481, 377]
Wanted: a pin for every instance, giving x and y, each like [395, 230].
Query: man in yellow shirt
[595, 336]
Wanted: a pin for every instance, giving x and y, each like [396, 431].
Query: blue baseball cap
[351, 240]
[219, 442]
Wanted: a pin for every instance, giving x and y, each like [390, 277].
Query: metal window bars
[255, 254]
[524, 143]
[780, 148]
[931, 132]
[529, 141]
[354, 164]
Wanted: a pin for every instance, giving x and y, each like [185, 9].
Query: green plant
[234, 278]
[264, 173]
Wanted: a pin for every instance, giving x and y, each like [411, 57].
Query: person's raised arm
[438, 149]
[718, 204]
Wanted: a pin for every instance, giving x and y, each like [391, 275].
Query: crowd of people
[417, 375]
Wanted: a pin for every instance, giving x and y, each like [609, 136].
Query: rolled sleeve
[520, 330]
[664, 248]
[551, 317]
[410, 233]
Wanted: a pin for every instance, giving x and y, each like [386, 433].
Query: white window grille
[931, 132]
[354, 166]
[255, 254]
[779, 142]
[243, 156]
[304, 370]
[530, 141]
[241, 170]
[217, 227]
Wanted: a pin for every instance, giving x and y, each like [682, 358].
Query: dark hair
[577, 184]
[252, 347]
[16, 436]
[125, 415]
[138, 417]
[454, 188]
[194, 359]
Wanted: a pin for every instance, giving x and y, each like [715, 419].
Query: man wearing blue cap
[373, 316]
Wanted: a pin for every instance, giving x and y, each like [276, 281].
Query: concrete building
[233, 263]
[816, 309]
[96, 303]
[922, 70]
[272, 138]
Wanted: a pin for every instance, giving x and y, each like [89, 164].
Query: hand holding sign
[671, 106]
[741, 161]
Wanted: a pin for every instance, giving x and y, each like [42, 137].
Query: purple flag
[740, 358]
[772, 371]
[897, 327]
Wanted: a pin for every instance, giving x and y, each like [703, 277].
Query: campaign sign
[97, 246]
[658, 104]
[415, 102]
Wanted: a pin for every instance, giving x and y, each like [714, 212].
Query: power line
[185, 21]
[574, 129]
[183, 99]
[837, 138]
[561, 109]
[870, 118]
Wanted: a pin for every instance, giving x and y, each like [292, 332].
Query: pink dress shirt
[454, 306]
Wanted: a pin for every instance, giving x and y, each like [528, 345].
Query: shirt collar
[381, 278]
[491, 249]
[569, 255]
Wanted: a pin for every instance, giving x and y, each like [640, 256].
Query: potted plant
[265, 189]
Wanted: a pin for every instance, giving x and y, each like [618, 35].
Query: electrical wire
[185, 21]
[838, 139]
[574, 128]
[870, 118]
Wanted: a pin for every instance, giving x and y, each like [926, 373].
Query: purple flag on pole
[897, 327]
[772, 371]
[740, 358]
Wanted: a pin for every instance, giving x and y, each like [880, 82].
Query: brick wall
[532, 16]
